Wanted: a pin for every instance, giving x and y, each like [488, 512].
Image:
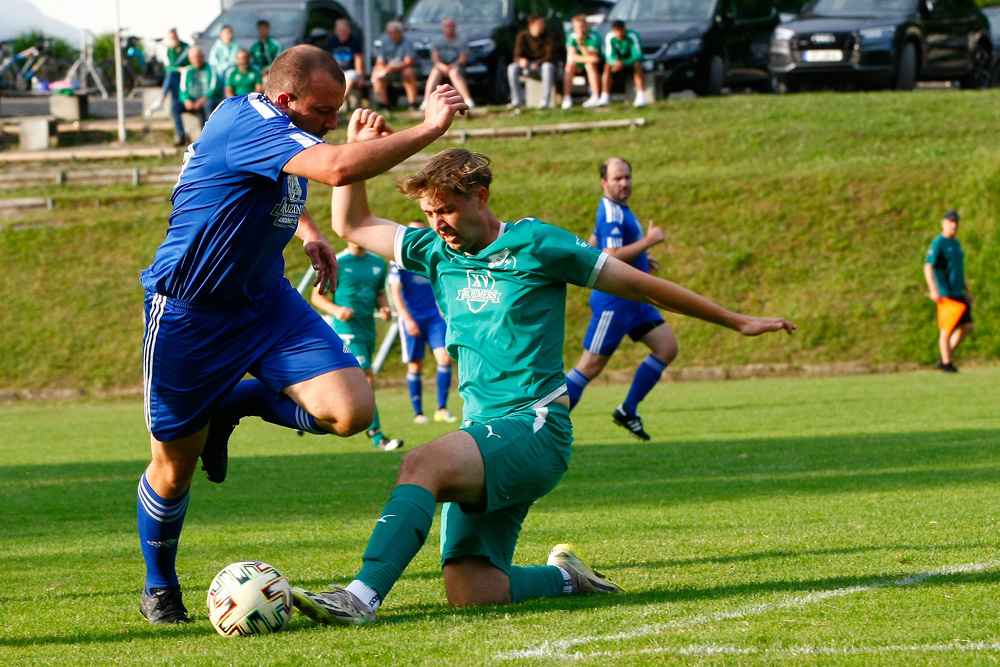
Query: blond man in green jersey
[503, 290]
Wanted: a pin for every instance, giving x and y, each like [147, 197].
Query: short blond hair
[454, 170]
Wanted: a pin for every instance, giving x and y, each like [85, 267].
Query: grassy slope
[817, 207]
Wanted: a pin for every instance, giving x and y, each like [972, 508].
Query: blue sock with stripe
[443, 385]
[416, 387]
[251, 398]
[576, 382]
[646, 377]
[160, 521]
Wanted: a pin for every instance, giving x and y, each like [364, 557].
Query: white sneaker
[603, 100]
[591, 101]
[156, 106]
[640, 100]
[567, 102]
[420, 419]
[443, 415]
[390, 445]
[583, 577]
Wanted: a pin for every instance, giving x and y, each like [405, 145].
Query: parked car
[882, 43]
[294, 21]
[489, 26]
[992, 14]
[704, 45]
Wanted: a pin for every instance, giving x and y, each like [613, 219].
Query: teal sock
[399, 533]
[539, 581]
[375, 430]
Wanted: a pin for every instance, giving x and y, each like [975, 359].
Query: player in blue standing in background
[618, 233]
[421, 324]
[218, 304]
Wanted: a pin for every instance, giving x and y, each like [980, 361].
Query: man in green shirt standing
[360, 290]
[175, 58]
[265, 49]
[503, 290]
[944, 271]
[245, 78]
[622, 52]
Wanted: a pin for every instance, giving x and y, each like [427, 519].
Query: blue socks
[252, 398]
[576, 382]
[160, 523]
[645, 379]
[443, 385]
[415, 386]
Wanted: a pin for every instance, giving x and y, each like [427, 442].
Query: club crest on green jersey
[481, 290]
[502, 260]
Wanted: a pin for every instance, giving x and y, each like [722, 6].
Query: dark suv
[489, 26]
[882, 43]
[703, 45]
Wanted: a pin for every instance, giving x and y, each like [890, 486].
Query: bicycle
[17, 70]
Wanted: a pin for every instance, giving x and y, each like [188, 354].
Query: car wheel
[979, 77]
[500, 89]
[906, 71]
[716, 77]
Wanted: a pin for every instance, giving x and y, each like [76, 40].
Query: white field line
[709, 650]
[561, 648]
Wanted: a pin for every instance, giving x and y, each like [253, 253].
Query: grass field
[787, 521]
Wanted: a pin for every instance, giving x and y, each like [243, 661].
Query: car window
[662, 10]
[744, 10]
[243, 21]
[862, 8]
[432, 12]
[321, 17]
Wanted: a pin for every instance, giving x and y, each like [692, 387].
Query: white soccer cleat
[420, 419]
[334, 606]
[584, 578]
[390, 445]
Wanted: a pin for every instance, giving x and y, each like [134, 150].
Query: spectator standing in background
[175, 57]
[265, 49]
[944, 271]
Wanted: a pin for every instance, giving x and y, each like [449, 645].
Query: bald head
[293, 70]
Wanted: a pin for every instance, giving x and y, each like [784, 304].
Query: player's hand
[411, 326]
[442, 106]
[365, 124]
[934, 295]
[344, 314]
[654, 234]
[755, 326]
[385, 313]
[654, 265]
[324, 262]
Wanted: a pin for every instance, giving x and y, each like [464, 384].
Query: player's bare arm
[353, 162]
[623, 280]
[932, 292]
[327, 305]
[629, 252]
[321, 254]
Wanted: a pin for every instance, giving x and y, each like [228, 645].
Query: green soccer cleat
[583, 578]
[334, 606]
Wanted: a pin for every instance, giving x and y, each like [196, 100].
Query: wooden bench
[651, 81]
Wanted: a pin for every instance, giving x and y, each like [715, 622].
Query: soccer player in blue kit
[218, 304]
[618, 233]
[421, 325]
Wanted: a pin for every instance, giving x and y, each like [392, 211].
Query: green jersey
[262, 54]
[592, 44]
[946, 257]
[628, 50]
[244, 83]
[359, 282]
[198, 83]
[505, 308]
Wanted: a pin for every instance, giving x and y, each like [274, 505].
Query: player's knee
[348, 418]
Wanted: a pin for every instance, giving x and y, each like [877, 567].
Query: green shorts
[361, 348]
[525, 454]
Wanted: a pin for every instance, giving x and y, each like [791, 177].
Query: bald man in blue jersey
[218, 305]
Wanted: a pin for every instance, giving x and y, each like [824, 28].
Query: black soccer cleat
[631, 423]
[946, 367]
[215, 455]
[163, 605]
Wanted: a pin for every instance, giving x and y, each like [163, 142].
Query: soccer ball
[249, 598]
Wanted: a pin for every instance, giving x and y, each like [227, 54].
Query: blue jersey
[418, 295]
[234, 209]
[615, 227]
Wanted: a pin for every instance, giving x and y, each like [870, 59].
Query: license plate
[823, 56]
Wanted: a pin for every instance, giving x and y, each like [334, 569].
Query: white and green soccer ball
[249, 598]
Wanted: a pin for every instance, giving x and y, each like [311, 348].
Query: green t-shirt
[628, 50]
[262, 54]
[505, 308]
[244, 83]
[359, 282]
[946, 256]
[198, 83]
[592, 44]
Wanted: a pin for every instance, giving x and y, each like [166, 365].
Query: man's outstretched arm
[622, 280]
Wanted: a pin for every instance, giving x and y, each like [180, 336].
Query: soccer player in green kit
[502, 287]
[360, 291]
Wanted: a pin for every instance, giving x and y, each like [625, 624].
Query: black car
[993, 16]
[882, 43]
[489, 27]
[703, 45]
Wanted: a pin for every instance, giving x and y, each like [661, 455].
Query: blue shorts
[608, 327]
[193, 355]
[433, 331]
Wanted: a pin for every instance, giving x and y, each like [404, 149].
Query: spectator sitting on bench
[394, 61]
[245, 78]
[346, 48]
[622, 52]
[534, 56]
[583, 50]
[450, 53]
[199, 89]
